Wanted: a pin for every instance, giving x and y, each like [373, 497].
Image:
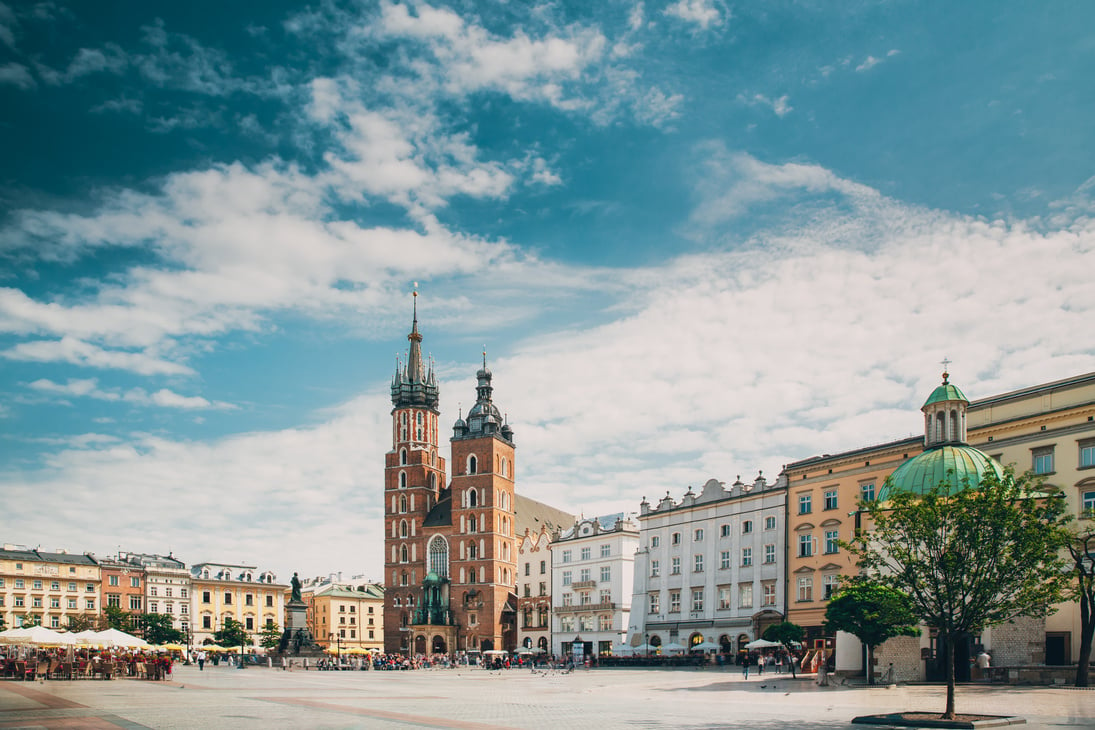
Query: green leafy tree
[986, 554]
[31, 620]
[786, 633]
[873, 613]
[82, 622]
[232, 634]
[158, 628]
[116, 618]
[1081, 547]
[270, 636]
[3, 623]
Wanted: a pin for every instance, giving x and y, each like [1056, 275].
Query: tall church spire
[411, 385]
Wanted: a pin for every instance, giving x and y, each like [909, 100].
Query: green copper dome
[946, 392]
[959, 465]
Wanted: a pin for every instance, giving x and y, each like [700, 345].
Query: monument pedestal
[297, 639]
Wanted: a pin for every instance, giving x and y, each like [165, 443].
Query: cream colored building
[346, 616]
[51, 587]
[1048, 429]
[221, 590]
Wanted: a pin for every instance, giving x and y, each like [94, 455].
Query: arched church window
[403, 555]
[439, 556]
[954, 425]
[939, 425]
[473, 551]
[473, 498]
[403, 532]
[402, 480]
[473, 524]
[472, 464]
[403, 457]
[403, 503]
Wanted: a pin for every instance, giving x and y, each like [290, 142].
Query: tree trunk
[1087, 632]
[949, 713]
[870, 664]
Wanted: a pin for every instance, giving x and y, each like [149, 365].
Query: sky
[696, 239]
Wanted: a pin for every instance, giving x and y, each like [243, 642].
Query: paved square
[477, 699]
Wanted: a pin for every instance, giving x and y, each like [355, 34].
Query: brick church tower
[414, 475]
[450, 551]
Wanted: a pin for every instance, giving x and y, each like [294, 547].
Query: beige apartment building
[50, 588]
[219, 591]
[1048, 429]
[347, 616]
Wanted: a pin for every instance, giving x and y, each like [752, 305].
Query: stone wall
[1017, 643]
[904, 652]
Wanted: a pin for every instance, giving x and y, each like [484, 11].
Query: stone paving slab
[477, 699]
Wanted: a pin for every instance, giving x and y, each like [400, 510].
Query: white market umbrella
[38, 635]
[113, 637]
[705, 646]
[673, 647]
[762, 644]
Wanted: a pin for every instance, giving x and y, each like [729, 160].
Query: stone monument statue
[295, 582]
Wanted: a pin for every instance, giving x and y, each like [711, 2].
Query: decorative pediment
[831, 566]
[804, 526]
[804, 569]
[832, 521]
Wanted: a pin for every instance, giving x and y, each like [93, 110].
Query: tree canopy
[873, 613]
[232, 634]
[158, 628]
[976, 558]
[786, 633]
[270, 636]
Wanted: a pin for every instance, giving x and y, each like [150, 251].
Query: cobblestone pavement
[477, 699]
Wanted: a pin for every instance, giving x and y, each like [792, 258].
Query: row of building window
[585, 553]
[568, 624]
[724, 531]
[1042, 457]
[725, 598]
[248, 599]
[36, 602]
[724, 561]
[585, 573]
[805, 587]
[38, 585]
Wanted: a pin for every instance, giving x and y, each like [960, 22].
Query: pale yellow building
[347, 616]
[219, 591]
[1047, 428]
[50, 587]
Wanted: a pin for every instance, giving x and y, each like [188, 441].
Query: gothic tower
[484, 555]
[414, 475]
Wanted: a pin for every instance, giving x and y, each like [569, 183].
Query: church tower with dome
[947, 457]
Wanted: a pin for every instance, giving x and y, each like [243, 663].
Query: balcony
[579, 585]
[585, 607]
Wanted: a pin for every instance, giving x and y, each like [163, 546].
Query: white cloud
[469, 58]
[703, 13]
[635, 17]
[779, 106]
[89, 388]
[734, 181]
[868, 63]
[76, 352]
[16, 74]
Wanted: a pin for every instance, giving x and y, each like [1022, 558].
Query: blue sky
[697, 239]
